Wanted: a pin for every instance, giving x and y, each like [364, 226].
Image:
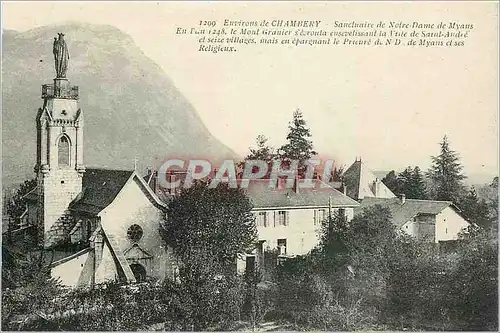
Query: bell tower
[59, 160]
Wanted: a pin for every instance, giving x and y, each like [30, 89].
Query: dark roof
[99, 189]
[351, 178]
[402, 213]
[71, 256]
[264, 197]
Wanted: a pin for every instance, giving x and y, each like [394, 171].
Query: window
[283, 218]
[262, 219]
[135, 232]
[319, 216]
[63, 151]
[282, 246]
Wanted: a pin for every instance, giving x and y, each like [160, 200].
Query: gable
[136, 253]
[361, 182]
[133, 196]
[101, 187]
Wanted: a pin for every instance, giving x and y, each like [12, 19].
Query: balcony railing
[52, 91]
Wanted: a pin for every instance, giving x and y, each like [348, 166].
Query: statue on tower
[61, 56]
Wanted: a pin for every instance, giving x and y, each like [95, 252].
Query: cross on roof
[135, 163]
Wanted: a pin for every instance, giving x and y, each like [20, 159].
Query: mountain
[131, 107]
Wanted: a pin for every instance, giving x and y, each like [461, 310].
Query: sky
[391, 107]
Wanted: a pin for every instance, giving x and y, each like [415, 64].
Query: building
[429, 220]
[426, 220]
[289, 220]
[361, 182]
[96, 224]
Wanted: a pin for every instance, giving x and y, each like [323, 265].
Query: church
[95, 224]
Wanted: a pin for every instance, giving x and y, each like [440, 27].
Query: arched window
[63, 151]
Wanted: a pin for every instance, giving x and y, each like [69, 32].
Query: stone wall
[59, 231]
[57, 189]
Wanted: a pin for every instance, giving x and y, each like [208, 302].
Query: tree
[418, 189]
[391, 181]
[473, 294]
[336, 174]
[410, 182]
[445, 175]
[489, 193]
[334, 240]
[494, 183]
[298, 146]
[216, 220]
[474, 209]
[208, 228]
[263, 152]
[405, 181]
[493, 203]
[27, 288]
[17, 204]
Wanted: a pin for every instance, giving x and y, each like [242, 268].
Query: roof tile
[402, 213]
[264, 197]
[99, 189]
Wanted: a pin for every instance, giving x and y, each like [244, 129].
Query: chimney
[376, 187]
[403, 199]
[344, 188]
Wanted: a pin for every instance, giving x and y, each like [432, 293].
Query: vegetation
[208, 228]
[262, 152]
[16, 204]
[445, 175]
[377, 278]
[410, 182]
[298, 146]
[213, 222]
[363, 275]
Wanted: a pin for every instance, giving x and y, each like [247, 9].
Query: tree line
[444, 181]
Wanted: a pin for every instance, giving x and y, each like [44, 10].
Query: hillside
[132, 109]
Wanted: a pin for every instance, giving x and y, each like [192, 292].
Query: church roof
[404, 212]
[264, 197]
[99, 188]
